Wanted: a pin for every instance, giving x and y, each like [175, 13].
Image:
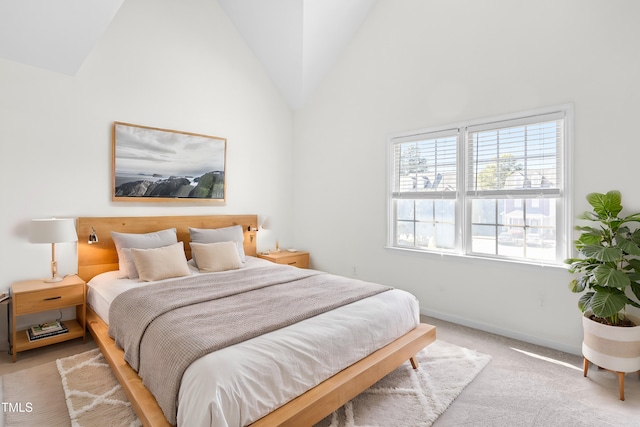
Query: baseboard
[503, 332]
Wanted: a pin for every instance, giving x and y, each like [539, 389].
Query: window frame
[463, 201]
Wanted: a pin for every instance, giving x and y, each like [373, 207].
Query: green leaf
[590, 230]
[581, 264]
[624, 232]
[578, 265]
[611, 277]
[606, 205]
[613, 224]
[627, 246]
[634, 277]
[635, 288]
[578, 285]
[585, 301]
[635, 264]
[602, 253]
[608, 302]
[589, 239]
[633, 303]
[632, 218]
[589, 216]
[587, 280]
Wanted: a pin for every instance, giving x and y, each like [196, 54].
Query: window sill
[455, 257]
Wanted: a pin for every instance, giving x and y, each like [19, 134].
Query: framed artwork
[161, 165]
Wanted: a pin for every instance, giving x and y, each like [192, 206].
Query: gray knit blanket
[165, 327]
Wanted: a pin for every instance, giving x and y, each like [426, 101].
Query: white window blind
[522, 157]
[425, 166]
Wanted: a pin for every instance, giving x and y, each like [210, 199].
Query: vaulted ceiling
[296, 40]
[55, 35]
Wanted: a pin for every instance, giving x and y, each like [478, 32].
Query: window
[494, 188]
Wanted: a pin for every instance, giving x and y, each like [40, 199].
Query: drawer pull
[293, 263]
[52, 298]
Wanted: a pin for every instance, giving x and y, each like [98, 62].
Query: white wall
[171, 64]
[417, 64]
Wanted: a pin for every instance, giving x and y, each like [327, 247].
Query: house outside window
[493, 188]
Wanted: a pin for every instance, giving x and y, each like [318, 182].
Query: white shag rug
[93, 394]
[415, 398]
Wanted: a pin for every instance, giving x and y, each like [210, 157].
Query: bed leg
[414, 362]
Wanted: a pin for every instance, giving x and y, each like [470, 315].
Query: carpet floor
[80, 390]
[524, 385]
[527, 385]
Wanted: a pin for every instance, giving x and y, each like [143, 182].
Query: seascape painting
[151, 164]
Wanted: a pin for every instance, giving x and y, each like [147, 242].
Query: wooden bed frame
[305, 410]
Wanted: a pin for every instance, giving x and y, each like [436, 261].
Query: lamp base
[53, 279]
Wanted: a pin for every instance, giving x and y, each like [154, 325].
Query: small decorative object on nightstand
[35, 296]
[295, 258]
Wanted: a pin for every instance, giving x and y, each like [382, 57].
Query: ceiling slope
[297, 40]
[54, 35]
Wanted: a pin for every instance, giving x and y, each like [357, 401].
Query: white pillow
[139, 241]
[213, 257]
[217, 235]
[161, 263]
[128, 268]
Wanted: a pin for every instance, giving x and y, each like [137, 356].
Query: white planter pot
[612, 347]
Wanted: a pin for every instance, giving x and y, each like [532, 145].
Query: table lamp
[54, 230]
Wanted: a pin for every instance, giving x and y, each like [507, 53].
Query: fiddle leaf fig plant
[610, 260]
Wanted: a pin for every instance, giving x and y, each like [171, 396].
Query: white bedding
[103, 288]
[239, 384]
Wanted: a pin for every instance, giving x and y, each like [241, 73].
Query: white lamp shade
[264, 223]
[54, 230]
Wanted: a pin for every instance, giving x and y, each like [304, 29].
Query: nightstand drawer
[296, 261]
[48, 299]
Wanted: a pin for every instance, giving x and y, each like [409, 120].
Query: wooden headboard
[100, 257]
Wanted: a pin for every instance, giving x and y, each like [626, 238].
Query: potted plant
[609, 272]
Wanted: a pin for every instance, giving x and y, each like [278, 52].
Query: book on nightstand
[46, 330]
[47, 327]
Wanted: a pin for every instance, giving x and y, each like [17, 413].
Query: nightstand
[35, 296]
[298, 259]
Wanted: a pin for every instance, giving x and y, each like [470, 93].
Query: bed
[306, 390]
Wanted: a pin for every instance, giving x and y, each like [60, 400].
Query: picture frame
[161, 165]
